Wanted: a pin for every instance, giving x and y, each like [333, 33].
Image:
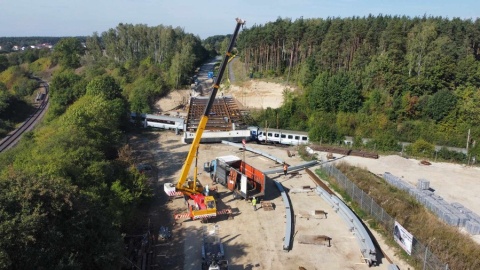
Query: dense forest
[69, 189]
[383, 77]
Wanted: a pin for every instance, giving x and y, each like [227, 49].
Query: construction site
[251, 239]
[239, 206]
[256, 239]
[234, 206]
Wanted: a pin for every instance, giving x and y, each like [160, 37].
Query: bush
[384, 142]
[446, 154]
[421, 148]
[40, 65]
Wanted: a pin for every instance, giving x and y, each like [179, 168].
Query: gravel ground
[252, 239]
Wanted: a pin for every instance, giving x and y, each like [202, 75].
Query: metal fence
[420, 252]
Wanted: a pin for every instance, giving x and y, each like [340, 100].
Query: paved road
[204, 83]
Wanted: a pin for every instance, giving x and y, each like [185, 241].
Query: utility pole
[468, 142]
[266, 132]
[277, 120]
[468, 139]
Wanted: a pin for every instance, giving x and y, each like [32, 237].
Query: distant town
[15, 44]
[23, 48]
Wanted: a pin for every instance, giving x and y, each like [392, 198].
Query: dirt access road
[252, 239]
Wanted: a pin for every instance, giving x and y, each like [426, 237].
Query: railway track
[343, 151]
[13, 137]
[319, 182]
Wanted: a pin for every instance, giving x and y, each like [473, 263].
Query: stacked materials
[453, 214]
[423, 184]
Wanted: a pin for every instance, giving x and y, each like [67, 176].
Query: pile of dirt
[252, 95]
[259, 94]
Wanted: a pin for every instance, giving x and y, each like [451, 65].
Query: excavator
[205, 206]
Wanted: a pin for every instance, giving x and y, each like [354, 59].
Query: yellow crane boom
[203, 121]
[190, 188]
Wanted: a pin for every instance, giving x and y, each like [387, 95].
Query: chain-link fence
[420, 252]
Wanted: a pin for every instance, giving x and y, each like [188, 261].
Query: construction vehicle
[213, 255]
[242, 179]
[205, 206]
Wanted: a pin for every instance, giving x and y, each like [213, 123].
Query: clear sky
[203, 18]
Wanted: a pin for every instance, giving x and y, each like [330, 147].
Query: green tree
[4, 97]
[385, 141]
[67, 52]
[104, 86]
[467, 109]
[4, 64]
[65, 88]
[307, 73]
[350, 95]
[322, 128]
[440, 104]
[319, 95]
[94, 47]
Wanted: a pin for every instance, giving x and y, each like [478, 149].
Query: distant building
[33, 47]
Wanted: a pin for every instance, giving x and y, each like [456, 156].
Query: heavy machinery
[205, 206]
[213, 255]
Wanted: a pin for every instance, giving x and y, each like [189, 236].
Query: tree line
[378, 77]
[69, 190]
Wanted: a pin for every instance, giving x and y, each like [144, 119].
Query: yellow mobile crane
[205, 205]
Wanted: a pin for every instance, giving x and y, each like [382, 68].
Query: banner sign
[403, 238]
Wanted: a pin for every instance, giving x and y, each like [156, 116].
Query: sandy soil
[173, 102]
[252, 94]
[253, 240]
[259, 94]
[454, 182]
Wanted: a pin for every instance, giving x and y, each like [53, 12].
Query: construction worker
[254, 203]
[285, 167]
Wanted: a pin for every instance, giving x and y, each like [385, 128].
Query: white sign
[243, 184]
[403, 238]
